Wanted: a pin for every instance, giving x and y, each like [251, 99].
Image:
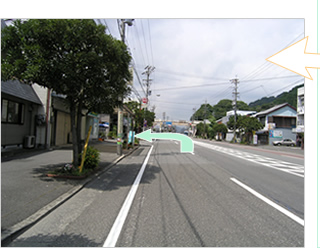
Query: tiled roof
[20, 90]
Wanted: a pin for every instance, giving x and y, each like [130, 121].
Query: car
[284, 142]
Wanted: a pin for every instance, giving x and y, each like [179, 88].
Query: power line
[271, 78]
[189, 86]
[296, 82]
[139, 42]
[183, 103]
[266, 65]
[150, 43]
[145, 43]
[159, 70]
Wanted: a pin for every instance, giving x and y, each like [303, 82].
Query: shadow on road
[65, 240]
[122, 176]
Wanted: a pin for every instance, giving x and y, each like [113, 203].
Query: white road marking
[265, 161]
[118, 224]
[271, 203]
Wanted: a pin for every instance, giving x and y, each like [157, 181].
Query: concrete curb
[11, 233]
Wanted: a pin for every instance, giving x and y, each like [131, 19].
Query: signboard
[255, 139]
[275, 134]
[169, 123]
[131, 137]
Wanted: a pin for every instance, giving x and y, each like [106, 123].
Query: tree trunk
[74, 135]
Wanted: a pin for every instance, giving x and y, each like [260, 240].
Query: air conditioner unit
[29, 142]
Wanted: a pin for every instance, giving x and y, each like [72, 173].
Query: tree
[201, 128]
[220, 128]
[141, 115]
[72, 57]
[245, 125]
[204, 112]
[222, 107]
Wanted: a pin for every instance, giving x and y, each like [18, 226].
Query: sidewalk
[27, 194]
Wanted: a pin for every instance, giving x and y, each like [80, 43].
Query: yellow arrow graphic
[295, 58]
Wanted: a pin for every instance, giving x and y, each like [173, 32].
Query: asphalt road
[196, 199]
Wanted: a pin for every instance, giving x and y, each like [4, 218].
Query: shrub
[124, 144]
[92, 158]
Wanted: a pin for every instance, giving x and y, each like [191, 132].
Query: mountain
[219, 110]
[268, 102]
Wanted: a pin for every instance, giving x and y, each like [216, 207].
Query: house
[24, 119]
[61, 122]
[278, 122]
[19, 114]
[299, 130]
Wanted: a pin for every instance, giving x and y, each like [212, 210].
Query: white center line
[271, 203]
[118, 224]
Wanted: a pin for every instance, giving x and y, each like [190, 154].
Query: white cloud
[210, 51]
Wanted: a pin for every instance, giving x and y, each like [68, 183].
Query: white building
[300, 110]
[226, 118]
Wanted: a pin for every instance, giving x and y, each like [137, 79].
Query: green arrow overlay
[186, 143]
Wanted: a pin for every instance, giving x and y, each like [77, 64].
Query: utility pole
[122, 26]
[192, 125]
[204, 120]
[148, 70]
[235, 81]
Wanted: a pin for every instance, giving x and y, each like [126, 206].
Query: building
[20, 106]
[278, 123]
[299, 130]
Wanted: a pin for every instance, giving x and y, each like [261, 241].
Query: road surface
[222, 195]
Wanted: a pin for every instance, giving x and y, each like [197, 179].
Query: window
[12, 112]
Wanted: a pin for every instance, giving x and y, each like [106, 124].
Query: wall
[286, 134]
[42, 93]
[13, 134]
[63, 128]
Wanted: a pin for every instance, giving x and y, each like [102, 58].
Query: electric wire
[139, 42]
[266, 65]
[145, 43]
[150, 43]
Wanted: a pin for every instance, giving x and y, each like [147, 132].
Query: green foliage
[211, 130]
[222, 107]
[73, 57]
[204, 112]
[92, 158]
[113, 134]
[140, 115]
[201, 129]
[245, 125]
[268, 102]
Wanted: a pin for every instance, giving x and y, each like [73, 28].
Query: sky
[195, 59]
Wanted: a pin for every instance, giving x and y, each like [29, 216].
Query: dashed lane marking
[292, 168]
